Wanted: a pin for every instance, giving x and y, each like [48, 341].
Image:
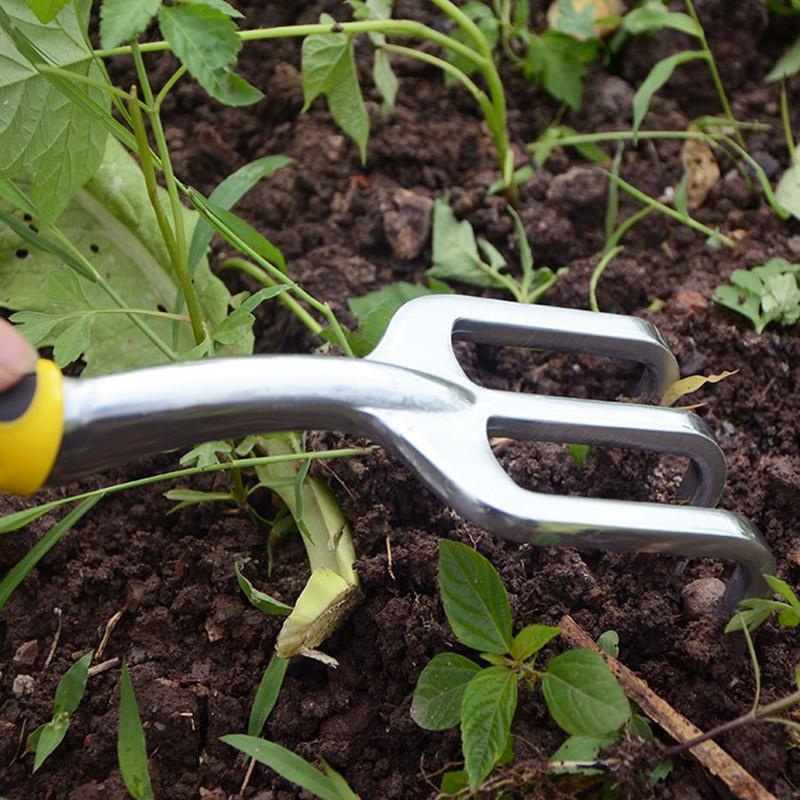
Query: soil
[197, 650]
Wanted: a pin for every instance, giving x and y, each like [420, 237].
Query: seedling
[764, 294]
[131, 745]
[581, 693]
[46, 738]
[754, 611]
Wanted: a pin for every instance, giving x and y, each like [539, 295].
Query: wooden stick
[740, 782]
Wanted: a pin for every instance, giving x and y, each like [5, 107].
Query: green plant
[69, 693]
[764, 294]
[581, 693]
[131, 745]
[754, 611]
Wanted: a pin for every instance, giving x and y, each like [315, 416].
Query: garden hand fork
[411, 395]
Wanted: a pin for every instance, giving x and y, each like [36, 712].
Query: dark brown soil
[197, 649]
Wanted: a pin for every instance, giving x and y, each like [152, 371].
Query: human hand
[17, 357]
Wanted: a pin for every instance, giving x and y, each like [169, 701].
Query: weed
[754, 611]
[582, 695]
[131, 745]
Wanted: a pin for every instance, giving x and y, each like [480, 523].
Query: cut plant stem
[181, 260]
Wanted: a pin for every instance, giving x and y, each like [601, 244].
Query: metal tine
[595, 422]
[421, 333]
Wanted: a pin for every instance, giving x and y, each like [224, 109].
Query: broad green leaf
[487, 709]
[385, 80]
[576, 20]
[207, 44]
[781, 299]
[579, 748]
[754, 611]
[474, 599]
[287, 764]
[227, 194]
[454, 782]
[262, 601]
[20, 571]
[780, 587]
[583, 695]
[267, 694]
[329, 69]
[46, 10]
[73, 341]
[131, 745]
[608, 642]
[47, 138]
[557, 62]
[440, 688]
[653, 16]
[72, 686]
[110, 221]
[788, 64]
[455, 250]
[122, 20]
[744, 303]
[656, 78]
[220, 5]
[49, 737]
[532, 639]
[338, 782]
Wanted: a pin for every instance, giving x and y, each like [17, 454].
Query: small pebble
[701, 597]
[793, 243]
[23, 686]
[26, 653]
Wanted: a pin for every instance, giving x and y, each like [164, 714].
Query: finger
[17, 357]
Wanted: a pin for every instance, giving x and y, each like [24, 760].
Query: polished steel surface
[411, 395]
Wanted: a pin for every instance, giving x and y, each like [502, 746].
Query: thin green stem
[625, 226]
[715, 76]
[786, 122]
[684, 219]
[76, 77]
[239, 492]
[112, 293]
[168, 86]
[223, 466]
[754, 662]
[466, 24]
[263, 277]
[607, 258]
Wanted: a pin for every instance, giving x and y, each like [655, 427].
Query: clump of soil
[197, 650]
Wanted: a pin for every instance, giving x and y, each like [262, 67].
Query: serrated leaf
[286, 763]
[112, 224]
[656, 78]
[262, 601]
[788, 64]
[558, 62]
[532, 639]
[583, 695]
[131, 745]
[73, 341]
[204, 455]
[35, 327]
[329, 69]
[47, 138]
[46, 10]
[745, 303]
[440, 688]
[487, 709]
[227, 194]
[122, 20]
[474, 599]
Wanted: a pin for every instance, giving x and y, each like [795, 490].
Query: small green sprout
[764, 294]
[131, 745]
[580, 691]
[46, 738]
[753, 611]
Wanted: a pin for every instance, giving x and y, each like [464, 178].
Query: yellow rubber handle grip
[31, 427]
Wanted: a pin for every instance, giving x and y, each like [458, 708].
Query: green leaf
[583, 695]
[74, 341]
[111, 222]
[608, 641]
[220, 5]
[440, 688]
[487, 709]
[780, 587]
[579, 748]
[454, 782]
[455, 250]
[131, 745]
[754, 611]
[122, 20]
[19, 519]
[238, 325]
[580, 453]
[46, 10]
[267, 695]
[72, 686]
[788, 64]
[329, 69]
[207, 44]
[657, 77]
[227, 194]
[262, 601]
[184, 498]
[576, 21]
[474, 599]
[742, 302]
[653, 16]
[287, 764]
[532, 639]
[557, 62]
[49, 737]
[338, 782]
[204, 455]
[247, 233]
[20, 571]
[47, 138]
[385, 80]
[482, 16]
[788, 191]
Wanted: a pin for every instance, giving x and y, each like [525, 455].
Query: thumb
[17, 357]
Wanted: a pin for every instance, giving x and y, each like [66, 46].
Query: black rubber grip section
[14, 402]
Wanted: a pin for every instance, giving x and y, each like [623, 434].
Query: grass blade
[131, 745]
[267, 694]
